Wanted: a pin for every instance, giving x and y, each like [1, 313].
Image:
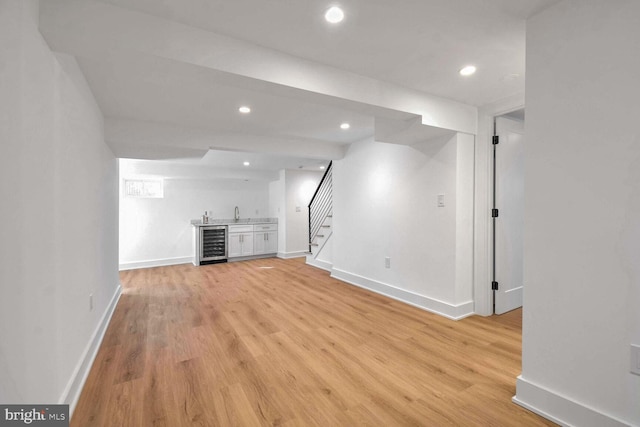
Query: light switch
[298, 209]
[441, 200]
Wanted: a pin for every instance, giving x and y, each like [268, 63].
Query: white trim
[288, 255]
[451, 311]
[324, 265]
[72, 391]
[566, 411]
[155, 263]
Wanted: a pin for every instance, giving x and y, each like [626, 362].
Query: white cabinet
[252, 239]
[240, 240]
[265, 239]
[265, 242]
[272, 242]
[240, 244]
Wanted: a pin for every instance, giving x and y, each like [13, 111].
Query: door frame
[509, 295]
[483, 239]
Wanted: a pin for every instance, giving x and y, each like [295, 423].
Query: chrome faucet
[236, 214]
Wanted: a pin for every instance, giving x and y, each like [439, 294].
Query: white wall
[58, 217]
[582, 213]
[385, 205]
[159, 232]
[299, 188]
[291, 191]
[277, 208]
[465, 146]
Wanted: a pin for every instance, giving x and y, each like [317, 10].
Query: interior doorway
[508, 211]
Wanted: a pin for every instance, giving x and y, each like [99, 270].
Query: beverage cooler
[212, 244]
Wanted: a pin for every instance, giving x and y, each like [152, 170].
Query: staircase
[320, 222]
[322, 236]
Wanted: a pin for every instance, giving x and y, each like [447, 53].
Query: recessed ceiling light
[345, 126]
[468, 70]
[246, 163]
[334, 15]
[321, 167]
[244, 109]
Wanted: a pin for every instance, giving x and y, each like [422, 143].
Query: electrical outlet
[387, 262]
[441, 200]
[635, 359]
[90, 302]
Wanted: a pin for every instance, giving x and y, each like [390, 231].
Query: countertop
[199, 223]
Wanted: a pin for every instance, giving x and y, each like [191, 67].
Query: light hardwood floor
[276, 342]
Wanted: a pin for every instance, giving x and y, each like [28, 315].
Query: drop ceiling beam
[134, 139]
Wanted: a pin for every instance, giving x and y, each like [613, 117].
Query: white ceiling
[419, 44]
[166, 94]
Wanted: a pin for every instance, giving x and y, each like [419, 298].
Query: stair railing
[321, 204]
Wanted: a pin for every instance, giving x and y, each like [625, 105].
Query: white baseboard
[249, 257]
[155, 263]
[288, 255]
[72, 391]
[560, 409]
[324, 265]
[451, 311]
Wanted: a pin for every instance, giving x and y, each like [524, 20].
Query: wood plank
[276, 342]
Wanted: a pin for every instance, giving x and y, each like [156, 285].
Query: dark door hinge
[496, 140]
[494, 213]
[494, 286]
